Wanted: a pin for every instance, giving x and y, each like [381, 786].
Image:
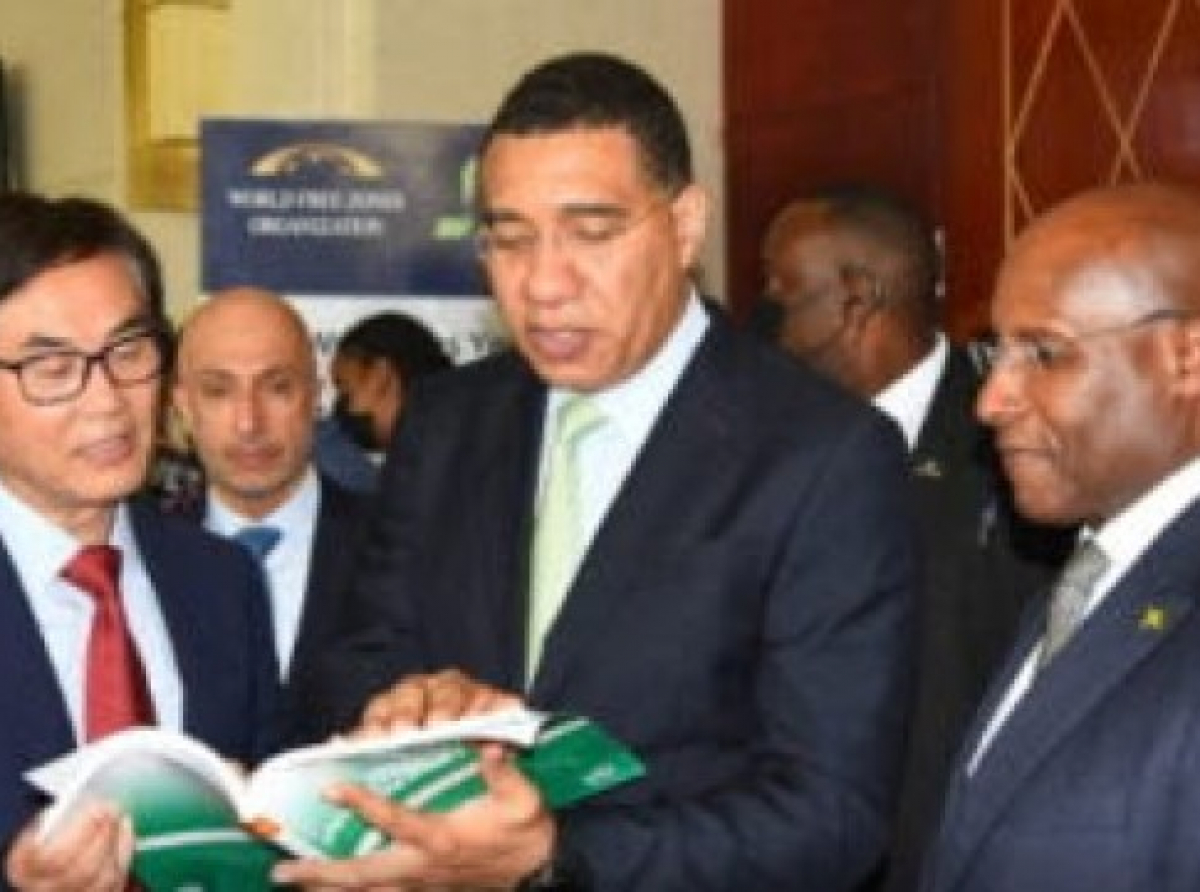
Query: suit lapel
[950, 453]
[332, 550]
[493, 616]
[172, 584]
[688, 439]
[37, 724]
[1135, 618]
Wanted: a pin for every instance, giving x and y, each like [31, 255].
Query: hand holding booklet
[201, 825]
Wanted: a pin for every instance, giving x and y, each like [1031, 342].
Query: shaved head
[246, 390]
[1148, 233]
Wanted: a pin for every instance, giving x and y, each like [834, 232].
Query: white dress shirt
[907, 399]
[286, 567]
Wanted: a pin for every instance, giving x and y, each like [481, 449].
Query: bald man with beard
[1082, 770]
[246, 390]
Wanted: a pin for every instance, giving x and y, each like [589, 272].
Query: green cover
[191, 842]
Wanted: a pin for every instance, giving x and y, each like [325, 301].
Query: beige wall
[405, 59]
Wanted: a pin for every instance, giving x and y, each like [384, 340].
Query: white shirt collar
[40, 548]
[908, 398]
[633, 404]
[296, 511]
[1126, 536]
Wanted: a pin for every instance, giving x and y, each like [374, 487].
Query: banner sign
[340, 207]
[348, 218]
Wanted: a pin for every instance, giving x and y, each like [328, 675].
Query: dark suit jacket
[741, 618]
[982, 566]
[214, 609]
[337, 540]
[1093, 783]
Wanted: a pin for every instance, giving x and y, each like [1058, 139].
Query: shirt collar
[40, 548]
[907, 399]
[1127, 535]
[637, 400]
[295, 510]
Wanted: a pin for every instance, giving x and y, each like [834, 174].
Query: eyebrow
[47, 342]
[492, 216]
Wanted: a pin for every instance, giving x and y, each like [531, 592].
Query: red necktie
[115, 693]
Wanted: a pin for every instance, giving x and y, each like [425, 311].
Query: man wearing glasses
[642, 516]
[1082, 770]
[111, 615]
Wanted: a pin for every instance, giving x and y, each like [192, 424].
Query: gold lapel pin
[1154, 619]
[928, 468]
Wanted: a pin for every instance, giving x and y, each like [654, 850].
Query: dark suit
[982, 565]
[214, 610]
[341, 524]
[741, 618]
[337, 537]
[1093, 783]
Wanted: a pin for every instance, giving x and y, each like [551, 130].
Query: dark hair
[885, 219]
[38, 234]
[407, 345]
[592, 91]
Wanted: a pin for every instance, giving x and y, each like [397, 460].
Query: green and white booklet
[203, 827]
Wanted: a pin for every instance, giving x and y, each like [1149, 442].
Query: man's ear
[177, 405]
[1187, 356]
[689, 210]
[178, 422]
[863, 297]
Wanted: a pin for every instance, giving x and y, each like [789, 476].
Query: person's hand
[90, 853]
[418, 700]
[488, 843]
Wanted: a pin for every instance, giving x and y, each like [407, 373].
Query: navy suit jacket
[1093, 783]
[340, 526]
[215, 613]
[337, 541]
[741, 619]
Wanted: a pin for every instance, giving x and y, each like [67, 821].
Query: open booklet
[201, 825]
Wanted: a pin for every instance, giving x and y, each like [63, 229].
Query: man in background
[245, 391]
[111, 614]
[621, 519]
[851, 278]
[1081, 772]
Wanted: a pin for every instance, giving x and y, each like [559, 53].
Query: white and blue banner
[349, 218]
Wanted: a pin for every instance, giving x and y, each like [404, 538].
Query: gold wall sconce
[176, 71]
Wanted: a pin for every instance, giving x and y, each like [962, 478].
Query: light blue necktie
[558, 539]
[258, 539]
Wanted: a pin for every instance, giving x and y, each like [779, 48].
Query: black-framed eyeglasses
[60, 375]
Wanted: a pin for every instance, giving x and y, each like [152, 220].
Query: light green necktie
[558, 538]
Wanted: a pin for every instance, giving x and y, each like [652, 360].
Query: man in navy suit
[739, 605]
[246, 392]
[851, 277]
[81, 356]
[1081, 772]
